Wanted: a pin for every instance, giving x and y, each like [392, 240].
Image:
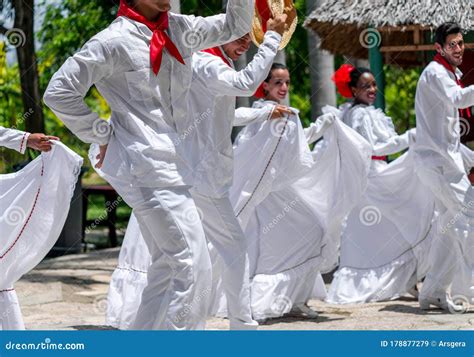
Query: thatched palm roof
[342, 25]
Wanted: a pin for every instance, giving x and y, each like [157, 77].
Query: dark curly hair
[275, 66]
[355, 75]
[446, 29]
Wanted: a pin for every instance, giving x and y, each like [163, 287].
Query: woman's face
[277, 88]
[366, 90]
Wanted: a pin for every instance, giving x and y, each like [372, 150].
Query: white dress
[307, 193]
[291, 203]
[386, 240]
[34, 205]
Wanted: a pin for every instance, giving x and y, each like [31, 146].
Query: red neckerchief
[159, 40]
[216, 51]
[441, 60]
[264, 11]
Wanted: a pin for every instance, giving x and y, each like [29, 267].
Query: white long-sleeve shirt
[14, 139]
[437, 104]
[212, 98]
[148, 111]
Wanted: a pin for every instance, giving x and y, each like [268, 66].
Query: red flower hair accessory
[342, 78]
[260, 93]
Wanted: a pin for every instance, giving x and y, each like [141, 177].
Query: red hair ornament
[342, 78]
[260, 93]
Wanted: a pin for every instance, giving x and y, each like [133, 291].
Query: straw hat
[276, 7]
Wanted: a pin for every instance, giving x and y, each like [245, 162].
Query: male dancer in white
[212, 103]
[142, 66]
[215, 85]
[440, 102]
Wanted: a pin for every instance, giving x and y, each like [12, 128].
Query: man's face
[152, 6]
[237, 48]
[453, 49]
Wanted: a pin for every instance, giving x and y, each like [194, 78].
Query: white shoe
[236, 324]
[305, 310]
[443, 302]
[414, 292]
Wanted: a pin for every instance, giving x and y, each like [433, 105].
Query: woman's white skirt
[34, 204]
[386, 241]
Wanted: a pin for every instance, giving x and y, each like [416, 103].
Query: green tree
[201, 7]
[66, 27]
[400, 96]
[21, 37]
[11, 113]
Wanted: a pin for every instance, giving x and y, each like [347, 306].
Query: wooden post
[376, 66]
[29, 77]
[321, 65]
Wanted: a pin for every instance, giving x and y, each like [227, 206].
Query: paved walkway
[69, 293]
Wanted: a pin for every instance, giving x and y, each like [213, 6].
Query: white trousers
[180, 275]
[10, 312]
[451, 250]
[225, 234]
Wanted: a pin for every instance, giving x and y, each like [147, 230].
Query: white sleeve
[223, 80]
[14, 139]
[394, 144]
[450, 92]
[70, 84]
[245, 116]
[217, 30]
[316, 130]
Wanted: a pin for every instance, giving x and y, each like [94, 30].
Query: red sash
[216, 51]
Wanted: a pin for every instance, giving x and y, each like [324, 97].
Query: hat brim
[277, 7]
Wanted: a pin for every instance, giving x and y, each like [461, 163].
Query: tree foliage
[201, 7]
[67, 26]
[400, 96]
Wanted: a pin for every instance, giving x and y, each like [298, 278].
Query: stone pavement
[69, 293]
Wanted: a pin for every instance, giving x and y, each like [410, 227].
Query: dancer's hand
[101, 156]
[326, 120]
[290, 11]
[412, 136]
[278, 24]
[40, 142]
[280, 111]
